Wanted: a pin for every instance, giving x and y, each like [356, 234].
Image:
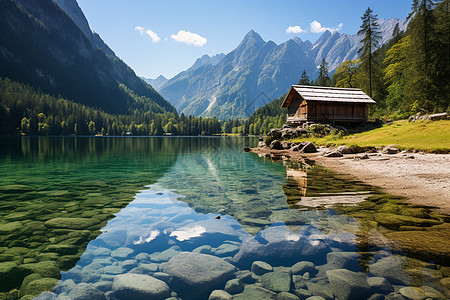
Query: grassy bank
[422, 135]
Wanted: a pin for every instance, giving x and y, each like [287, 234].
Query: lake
[197, 218]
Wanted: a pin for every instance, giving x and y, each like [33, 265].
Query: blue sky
[166, 37]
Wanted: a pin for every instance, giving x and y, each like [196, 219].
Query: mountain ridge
[256, 72]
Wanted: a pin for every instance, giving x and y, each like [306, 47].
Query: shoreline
[424, 179]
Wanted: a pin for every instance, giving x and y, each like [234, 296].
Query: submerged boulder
[349, 285]
[137, 286]
[196, 275]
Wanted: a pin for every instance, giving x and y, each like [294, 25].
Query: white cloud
[189, 38]
[295, 29]
[316, 27]
[155, 38]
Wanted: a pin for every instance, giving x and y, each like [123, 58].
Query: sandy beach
[423, 178]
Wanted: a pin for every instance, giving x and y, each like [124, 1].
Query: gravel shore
[423, 178]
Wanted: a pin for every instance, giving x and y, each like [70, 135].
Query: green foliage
[27, 111]
[304, 80]
[324, 78]
[346, 75]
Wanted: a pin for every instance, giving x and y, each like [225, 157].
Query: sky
[166, 37]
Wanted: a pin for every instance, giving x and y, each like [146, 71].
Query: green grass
[422, 135]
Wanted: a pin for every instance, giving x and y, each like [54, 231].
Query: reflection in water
[315, 230]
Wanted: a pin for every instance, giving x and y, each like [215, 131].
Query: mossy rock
[71, 223]
[46, 269]
[38, 286]
[20, 215]
[15, 189]
[17, 251]
[417, 212]
[9, 276]
[66, 262]
[33, 226]
[49, 256]
[393, 221]
[62, 249]
[27, 281]
[11, 227]
[390, 208]
[432, 244]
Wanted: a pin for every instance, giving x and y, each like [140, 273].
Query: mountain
[157, 82]
[247, 77]
[50, 46]
[207, 60]
[257, 71]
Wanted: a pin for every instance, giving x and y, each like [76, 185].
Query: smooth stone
[420, 293]
[255, 292]
[162, 276]
[142, 256]
[220, 295]
[287, 296]
[320, 290]
[196, 274]
[71, 223]
[113, 270]
[64, 286]
[303, 293]
[333, 153]
[234, 286]
[349, 285]
[392, 269]
[344, 150]
[38, 286]
[122, 252]
[304, 266]
[380, 285]
[128, 264]
[85, 291]
[446, 282]
[102, 252]
[103, 286]
[299, 281]
[10, 227]
[245, 276]
[226, 250]
[261, 267]
[277, 281]
[139, 287]
[150, 267]
[376, 297]
[46, 269]
[394, 296]
[46, 296]
[205, 249]
[343, 260]
[315, 298]
[165, 255]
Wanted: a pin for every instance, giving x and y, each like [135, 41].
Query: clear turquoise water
[86, 210]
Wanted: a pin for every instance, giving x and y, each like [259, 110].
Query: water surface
[88, 211]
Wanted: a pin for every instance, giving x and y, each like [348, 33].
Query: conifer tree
[304, 80]
[323, 79]
[371, 36]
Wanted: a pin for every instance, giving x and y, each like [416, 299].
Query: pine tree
[304, 80]
[323, 79]
[371, 36]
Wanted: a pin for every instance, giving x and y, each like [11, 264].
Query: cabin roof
[327, 94]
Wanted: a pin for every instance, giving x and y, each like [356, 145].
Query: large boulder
[391, 268]
[344, 150]
[343, 260]
[302, 267]
[276, 145]
[195, 275]
[85, 291]
[349, 285]
[137, 286]
[309, 148]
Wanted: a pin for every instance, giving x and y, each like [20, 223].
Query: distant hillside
[50, 46]
[258, 71]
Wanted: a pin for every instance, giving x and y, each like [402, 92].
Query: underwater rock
[38, 286]
[137, 287]
[85, 291]
[302, 267]
[261, 267]
[122, 252]
[321, 290]
[391, 268]
[234, 286]
[302, 293]
[393, 221]
[287, 296]
[101, 251]
[255, 292]
[349, 285]
[343, 260]
[380, 285]
[71, 223]
[220, 295]
[226, 250]
[205, 249]
[165, 255]
[420, 293]
[196, 274]
[277, 281]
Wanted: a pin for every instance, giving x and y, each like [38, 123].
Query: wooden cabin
[326, 105]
